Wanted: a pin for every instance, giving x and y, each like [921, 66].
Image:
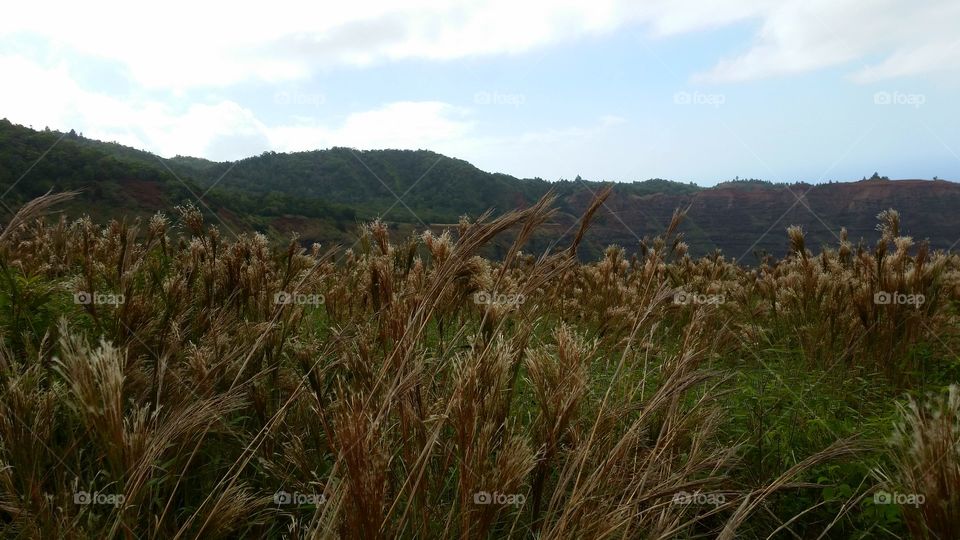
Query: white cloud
[45, 49]
[219, 130]
[224, 130]
[803, 35]
[549, 153]
[188, 44]
[34, 95]
[938, 56]
[404, 125]
[42, 97]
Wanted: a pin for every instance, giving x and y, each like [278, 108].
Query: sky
[616, 90]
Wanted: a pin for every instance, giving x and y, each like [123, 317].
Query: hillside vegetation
[160, 379]
[324, 195]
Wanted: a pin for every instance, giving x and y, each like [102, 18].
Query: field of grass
[160, 380]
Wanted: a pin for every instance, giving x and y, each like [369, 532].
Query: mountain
[744, 220]
[323, 194]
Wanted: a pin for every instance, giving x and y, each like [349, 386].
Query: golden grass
[393, 404]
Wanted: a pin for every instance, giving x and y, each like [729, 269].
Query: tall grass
[413, 388]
